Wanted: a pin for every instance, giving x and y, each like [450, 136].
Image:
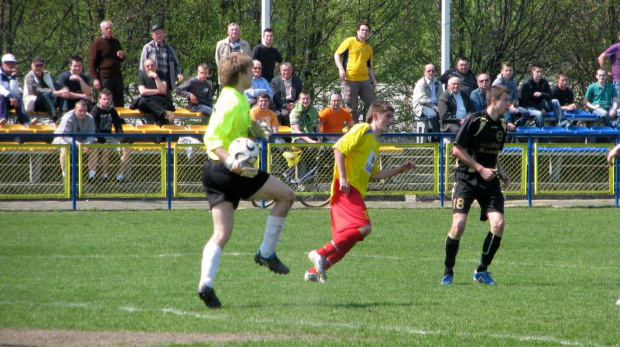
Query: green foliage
[138, 271]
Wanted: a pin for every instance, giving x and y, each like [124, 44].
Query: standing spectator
[335, 117]
[286, 89]
[77, 83]
[453, 106]
[426, 95]
[602, 99]
[479, 96]
[468, 78]
[227, 180]
[356, 163]
[104, 65]
[165, 58]
[198, 91]
[267, 54]
[477, 177]
[536, 97]
[41, 91]
[563, 93]
[357, 71]
[233, 43]
[613, 54]
[9, 92]
[516, 115]
[305, 119]
[263, 115]
[105, 116]
[259, 84]
[76, 122]
[154, 98]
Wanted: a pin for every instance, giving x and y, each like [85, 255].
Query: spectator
[10, 97]
[305, 119]
[165, 58]
[263, 115]
[198, 91]
[563, 93]
[77, 83]
[613, 54]
[479, 96]
[357, 73]
[106, 56]
[259, 84]
[41, 91]
[286, 89]
[426, 95]
[453, 106]
[233, 43]
[516, 115]
[602, 98]
[536, 97]
[468, 78]
[335, 117]
[153, 97]
[105, 116]
[76, 122]
[267, 54]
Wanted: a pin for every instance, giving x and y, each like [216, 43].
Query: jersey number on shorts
[458, 204]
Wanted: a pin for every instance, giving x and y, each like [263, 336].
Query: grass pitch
[138, 271]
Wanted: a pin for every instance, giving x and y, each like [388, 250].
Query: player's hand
[345, 187]
[487, 174]
[406, 166]
[256, 131]
[241, 167]
[505, 178]
[611, 155]
[193, 99]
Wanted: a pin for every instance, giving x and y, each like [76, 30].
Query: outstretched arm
[402, 168]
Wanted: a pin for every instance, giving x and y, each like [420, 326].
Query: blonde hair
[232, 66]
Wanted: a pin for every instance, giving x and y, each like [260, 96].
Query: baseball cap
[37, 60]
[9, 58]
[157, 27]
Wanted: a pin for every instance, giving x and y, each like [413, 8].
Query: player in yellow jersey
[357, 162]
[227, 180]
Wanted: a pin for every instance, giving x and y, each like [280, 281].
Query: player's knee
[287, 197]
[497, 227]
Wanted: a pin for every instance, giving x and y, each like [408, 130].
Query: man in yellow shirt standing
[354, 60]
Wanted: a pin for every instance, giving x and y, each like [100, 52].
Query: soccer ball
[242, 148]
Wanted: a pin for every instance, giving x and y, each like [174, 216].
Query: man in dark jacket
[535, 96]
[286, 89]
[454, 105]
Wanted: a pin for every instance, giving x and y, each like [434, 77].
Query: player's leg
[283, 197]
[494, 208]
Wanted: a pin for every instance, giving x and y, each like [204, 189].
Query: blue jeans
[20, 111]
[432, 117]
[617, 85]
[48, 102]
[204, 109]
[602, 113]
[553, 105]
[523, 116]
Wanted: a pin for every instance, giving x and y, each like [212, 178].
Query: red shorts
[348, 211]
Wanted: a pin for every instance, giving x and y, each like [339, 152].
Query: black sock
[452, 248]
[490, 246]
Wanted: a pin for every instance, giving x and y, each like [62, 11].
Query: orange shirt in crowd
[267, 116]
[333, 122]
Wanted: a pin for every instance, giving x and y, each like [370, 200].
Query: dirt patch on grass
[74, 338]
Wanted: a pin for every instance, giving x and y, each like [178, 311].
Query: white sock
[210, 261]
[272, 235]
[91, 174]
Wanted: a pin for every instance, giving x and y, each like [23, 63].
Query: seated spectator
[478, 97]
[425, 97]
[77, 121]
[516, 115]
[536, 97]
[10, 97]
[42, 92]
[602, 99]
[77, 83]
[334, 118]
[198, 92]
[563, 93]
[153, 94]
[263, 115]
[259, 84]
[286, 89]
[468, 79]
[453, 105]
[167, 63]
[305, 119]
[105, 116]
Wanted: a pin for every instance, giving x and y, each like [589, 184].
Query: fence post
[169, 170]
[442, 168]
[73, 173]
[529, 169]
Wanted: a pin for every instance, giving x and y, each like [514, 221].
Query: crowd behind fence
[160, 166]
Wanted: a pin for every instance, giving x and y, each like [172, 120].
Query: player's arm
[486, 173]
[402, 168]
[614, 153]
[345, 187]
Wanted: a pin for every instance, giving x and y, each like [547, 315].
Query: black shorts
[221, 184]
[469, 187]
